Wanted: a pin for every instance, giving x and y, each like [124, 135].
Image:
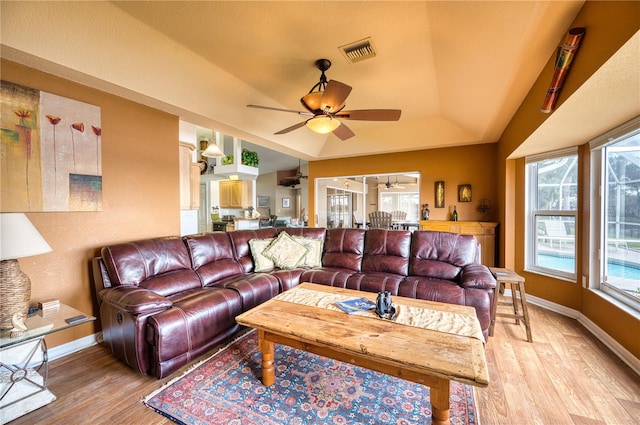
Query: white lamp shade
[19, 238]
[212, 151]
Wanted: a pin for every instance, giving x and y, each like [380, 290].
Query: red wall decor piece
[564, 57]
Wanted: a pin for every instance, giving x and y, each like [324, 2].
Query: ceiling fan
[295, 179]
[389, 185]
[325, 103]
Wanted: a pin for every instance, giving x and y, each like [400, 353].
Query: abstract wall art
[439, 192]
[50, 152]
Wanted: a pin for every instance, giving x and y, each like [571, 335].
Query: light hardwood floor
[566, 376]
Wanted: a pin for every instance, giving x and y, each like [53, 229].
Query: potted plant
[227, 160]
[250, 158]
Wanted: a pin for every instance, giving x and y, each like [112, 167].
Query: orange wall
[141, 192]
[609, 25]
[460, 165]
[140, 197]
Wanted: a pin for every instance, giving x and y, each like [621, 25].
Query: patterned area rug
[309, 389]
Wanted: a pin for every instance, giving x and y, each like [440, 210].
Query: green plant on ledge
[250, 158]
[227, 160]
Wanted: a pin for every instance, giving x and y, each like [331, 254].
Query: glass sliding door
[346, 201]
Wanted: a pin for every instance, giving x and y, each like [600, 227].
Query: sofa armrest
[134, 300]
[477, 276]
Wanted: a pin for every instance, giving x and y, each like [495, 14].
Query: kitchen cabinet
[485, 233]
[236, 194]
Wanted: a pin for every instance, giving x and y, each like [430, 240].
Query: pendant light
[213, 151]
[323, 124]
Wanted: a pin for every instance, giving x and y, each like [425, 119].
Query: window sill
[617, 303]
[550, 275]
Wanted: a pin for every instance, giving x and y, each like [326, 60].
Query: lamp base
[15, 292]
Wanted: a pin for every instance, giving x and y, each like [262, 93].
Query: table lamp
[19, 238]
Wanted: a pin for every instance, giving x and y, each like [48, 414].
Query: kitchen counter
[246, 223]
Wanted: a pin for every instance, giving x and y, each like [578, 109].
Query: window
[340, 208]
[401, 201]
[552, 211]
[616, 212]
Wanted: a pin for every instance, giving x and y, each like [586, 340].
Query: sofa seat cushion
[254, 289]
[375, 282]
[190, 325]
[432, 289]
[330, 276]
[288, 278]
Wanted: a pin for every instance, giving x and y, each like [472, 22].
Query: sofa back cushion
[305, 232]
[344, 249]
[386, 251]
[161, 265]
[240, 243]
[441, 254]
[212, 256]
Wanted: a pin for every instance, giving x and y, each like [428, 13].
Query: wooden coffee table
[416, 354]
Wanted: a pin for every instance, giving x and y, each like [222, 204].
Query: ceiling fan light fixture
[213, 151]
[323, 124]
[313, 100]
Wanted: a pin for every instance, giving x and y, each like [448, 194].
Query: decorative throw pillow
[285, 252]
[314, 251]
[260, 262]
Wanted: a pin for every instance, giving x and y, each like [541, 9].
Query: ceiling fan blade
[343, 132]
[293, 127]
[371, 115]
[280, 109]
[334, 95]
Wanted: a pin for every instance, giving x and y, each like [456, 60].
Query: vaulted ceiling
[458, 70]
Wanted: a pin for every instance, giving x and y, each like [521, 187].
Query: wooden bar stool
[516, 283]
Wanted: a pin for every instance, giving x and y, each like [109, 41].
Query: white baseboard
[625, 355]
[72, 346]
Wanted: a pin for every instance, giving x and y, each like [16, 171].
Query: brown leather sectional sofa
[165, 301]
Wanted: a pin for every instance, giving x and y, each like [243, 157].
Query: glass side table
[24, 363]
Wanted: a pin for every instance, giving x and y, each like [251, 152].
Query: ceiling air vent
[358, 51]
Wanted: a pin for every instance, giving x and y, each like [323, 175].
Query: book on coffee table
[356, 305]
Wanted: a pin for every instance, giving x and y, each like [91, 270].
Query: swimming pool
[567, 264]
